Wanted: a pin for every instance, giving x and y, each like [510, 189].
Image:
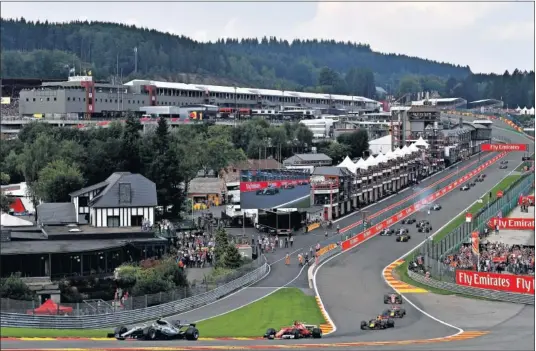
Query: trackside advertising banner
[503, 147]
[359, 238]
[254, 186]
[513, 223]
[521, 284]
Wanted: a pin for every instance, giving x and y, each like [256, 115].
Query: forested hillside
[47, 50]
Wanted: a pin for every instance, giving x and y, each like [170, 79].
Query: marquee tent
[421, 142]
[381, 158]
[49, 307]
[361, 164]
[8, 220]
[381, 144]
[347, 163]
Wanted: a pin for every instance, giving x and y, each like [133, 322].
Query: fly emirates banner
[521, 284]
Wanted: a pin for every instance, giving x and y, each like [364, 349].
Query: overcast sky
[489, 37]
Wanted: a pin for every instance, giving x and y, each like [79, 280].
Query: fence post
[146, 301]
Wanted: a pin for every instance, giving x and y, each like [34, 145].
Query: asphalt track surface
[351, 288]
[250, 199]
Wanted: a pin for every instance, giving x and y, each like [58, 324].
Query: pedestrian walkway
[515, 237]
[399, 286]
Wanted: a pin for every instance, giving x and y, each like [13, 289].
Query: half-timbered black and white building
[123, 200]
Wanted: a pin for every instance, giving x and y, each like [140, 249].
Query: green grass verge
[506, 182]
[279, 309]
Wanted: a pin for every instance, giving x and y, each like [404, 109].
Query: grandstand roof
[484, 100]
[435, 101]
[242, 90]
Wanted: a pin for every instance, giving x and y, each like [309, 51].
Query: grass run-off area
[460, 219]
[279, 309]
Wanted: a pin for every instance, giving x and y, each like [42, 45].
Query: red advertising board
[254, 186]
[513, 223]
[521, 284]
[359, 238]
[503, 147]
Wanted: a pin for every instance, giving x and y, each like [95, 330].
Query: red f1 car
[297, 331]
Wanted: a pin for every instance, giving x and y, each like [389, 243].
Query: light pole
[235, 106]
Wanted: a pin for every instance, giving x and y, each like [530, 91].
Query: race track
[351, 287]
[285, 197]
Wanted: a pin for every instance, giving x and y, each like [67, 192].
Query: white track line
[329, 259]
[256, 300]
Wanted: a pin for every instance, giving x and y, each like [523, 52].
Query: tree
[409, 84]
[130, 147]
[232, 258]
[357, 142]
[337, 151]
[220, 247]
[14, 288]
[57, 180]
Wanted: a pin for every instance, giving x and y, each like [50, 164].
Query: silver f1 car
[161, 329]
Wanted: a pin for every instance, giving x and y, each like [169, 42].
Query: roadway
[351, 288]
[285, 197]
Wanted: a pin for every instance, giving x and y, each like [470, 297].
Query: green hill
[47, 50]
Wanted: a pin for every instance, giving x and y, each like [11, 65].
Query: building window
[55, 99]
[27, 100]
[112, 221]
[83, 201]
[34, 99]
[136, 221]
[68, 99]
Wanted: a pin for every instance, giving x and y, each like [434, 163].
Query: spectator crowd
[195, 249]
[495, 258]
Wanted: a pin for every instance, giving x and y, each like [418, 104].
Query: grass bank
[279, 309]
[460, 219]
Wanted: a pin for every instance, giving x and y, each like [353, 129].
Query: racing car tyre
[270, 333]
[363, 325]
[191, 334]
[316, 333]
[402, 313]
[150, 333]
[120, 330]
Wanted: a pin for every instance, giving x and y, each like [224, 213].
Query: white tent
[406, 150]
[399, 152]
[381, 158]
[390, 155]
[413, 148]
[8, 220]
[347, 163]
[371, 161]
[421, 142]
[361, 164]
[524, 111]
[531, 111]
[518, 109]
[380, 145]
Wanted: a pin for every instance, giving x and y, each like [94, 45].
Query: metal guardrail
[466, 290]
[134, 316]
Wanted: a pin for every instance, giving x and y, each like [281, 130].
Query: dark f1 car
[378, 324]
[404, 238]
[401, 231]
[394, 312]
[268, 191]
[472, 184]
[425, 229]
[465, 187]
[393, 299]
[422, 223]
[297, 331]
[387, 232]
[435, 207]
[408, 221]
[161, 329]
[503, 166]
[504, 162]
[288, 186]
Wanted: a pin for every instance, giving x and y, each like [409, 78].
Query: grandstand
[485, 104]
[443, 103]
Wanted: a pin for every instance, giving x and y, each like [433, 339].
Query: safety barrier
[133, 316]
[467, 290]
